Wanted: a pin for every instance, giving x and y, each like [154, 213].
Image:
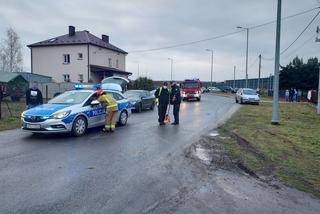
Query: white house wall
[100, 56]
[49, 61]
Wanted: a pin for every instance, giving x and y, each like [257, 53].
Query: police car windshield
[70, 97]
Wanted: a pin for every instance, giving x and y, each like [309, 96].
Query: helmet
[100, 92]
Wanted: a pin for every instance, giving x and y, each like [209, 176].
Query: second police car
[74, 111]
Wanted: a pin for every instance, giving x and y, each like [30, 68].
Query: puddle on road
[203, 154]
[214, 134]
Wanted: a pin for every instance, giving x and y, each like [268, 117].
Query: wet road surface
[141, 168]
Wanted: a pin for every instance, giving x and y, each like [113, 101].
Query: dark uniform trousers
[162, 110]
[176, 109]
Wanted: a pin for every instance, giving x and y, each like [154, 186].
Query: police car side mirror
[95, 103]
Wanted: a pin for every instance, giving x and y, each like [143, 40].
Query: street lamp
[211, 64]
[171, 66]
[247, 29]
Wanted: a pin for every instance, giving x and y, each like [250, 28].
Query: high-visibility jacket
[157, 99]
[109, 102]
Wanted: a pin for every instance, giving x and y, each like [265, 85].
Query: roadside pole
[275, 106]
[234, 77]
[318, 106]
[259, 72]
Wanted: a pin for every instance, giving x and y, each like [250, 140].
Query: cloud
[146, 24]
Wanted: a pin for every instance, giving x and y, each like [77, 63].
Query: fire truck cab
[191, 89]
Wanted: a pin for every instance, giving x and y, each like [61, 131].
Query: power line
[220, 36]
[302, 45]
[301, 32]
[296, 39]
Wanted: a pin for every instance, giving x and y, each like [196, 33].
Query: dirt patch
[210, 152]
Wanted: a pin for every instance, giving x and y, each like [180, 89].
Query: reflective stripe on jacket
[109, 102]
[157, 99]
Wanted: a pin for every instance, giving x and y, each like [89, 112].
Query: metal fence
[48, 90]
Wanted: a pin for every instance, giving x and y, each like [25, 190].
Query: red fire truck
[191, 89]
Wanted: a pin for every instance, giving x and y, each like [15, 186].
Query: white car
[247, 95]
[213, 89]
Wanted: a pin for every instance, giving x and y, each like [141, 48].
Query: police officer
[175, 100]
[162, 97]
[111, 110]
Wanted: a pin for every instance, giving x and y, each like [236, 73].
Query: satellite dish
[111, 87]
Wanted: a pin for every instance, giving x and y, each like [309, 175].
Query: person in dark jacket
[175, 100]
[33, 96]
[162, 95]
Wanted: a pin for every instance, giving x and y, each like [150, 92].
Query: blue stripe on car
[45, 109]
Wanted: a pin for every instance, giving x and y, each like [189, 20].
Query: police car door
[95, 113]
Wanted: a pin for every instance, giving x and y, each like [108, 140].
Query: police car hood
[48, 109]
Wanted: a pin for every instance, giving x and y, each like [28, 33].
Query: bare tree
[10, 53]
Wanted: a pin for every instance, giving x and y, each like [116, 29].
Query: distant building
[31, 77]
[78, 56]
[13, 84]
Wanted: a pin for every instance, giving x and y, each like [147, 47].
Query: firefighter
[162, 97]
[175, 97]
[111, 110]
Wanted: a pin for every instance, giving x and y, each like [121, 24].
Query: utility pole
[259, 72]
[138, 70]
[318, 105]
[211, 66]
[247, 50]
[275, 107]
[234, 77]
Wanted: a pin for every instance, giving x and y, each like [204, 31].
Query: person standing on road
[33, 96]
[162, 97]
[111, 106]
[175, 97]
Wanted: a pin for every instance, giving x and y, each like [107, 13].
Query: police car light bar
[79, 86]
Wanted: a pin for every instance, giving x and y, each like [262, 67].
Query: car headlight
[23, 115]
[60, 115]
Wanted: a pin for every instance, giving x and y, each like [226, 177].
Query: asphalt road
[141, 168]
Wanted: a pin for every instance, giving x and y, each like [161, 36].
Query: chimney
[72, 30]
[105, 38]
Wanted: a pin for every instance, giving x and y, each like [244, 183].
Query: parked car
[73, 111]
[140, 99]
[152, 92]
[213, 89]
[225, 89]
[247, 95]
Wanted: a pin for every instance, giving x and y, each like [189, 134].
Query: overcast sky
[147, 24]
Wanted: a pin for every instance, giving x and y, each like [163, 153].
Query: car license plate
[33, 126]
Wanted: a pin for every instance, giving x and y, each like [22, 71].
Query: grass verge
[289, 151]
[11, 121]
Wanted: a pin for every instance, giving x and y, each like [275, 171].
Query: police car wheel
[79, 126]
[123, 118]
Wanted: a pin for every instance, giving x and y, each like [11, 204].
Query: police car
[74, 111]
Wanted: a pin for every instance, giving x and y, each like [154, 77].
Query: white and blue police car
[74, 111]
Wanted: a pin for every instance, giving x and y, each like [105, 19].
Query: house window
[66, 77]
[66, 58]
[117, 63]
[80, 56]
[81, 78]
[110, 62]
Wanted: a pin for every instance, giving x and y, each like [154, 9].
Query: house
[78, 56]
[13, 84]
